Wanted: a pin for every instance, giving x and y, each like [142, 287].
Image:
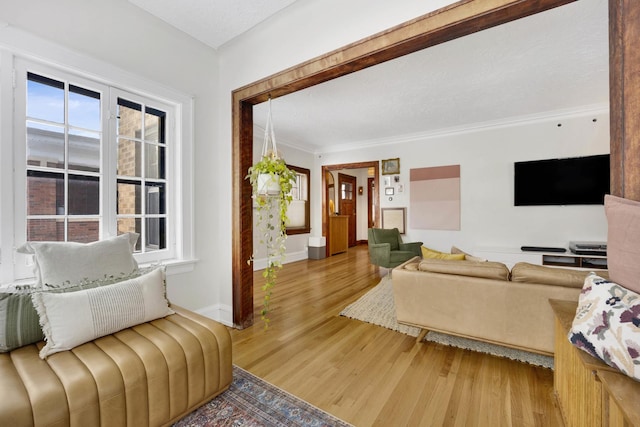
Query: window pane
[155, 234]
[129, 198]
[155, 161]
[45, 98]
[129, 158]
[131, 225]
[84, 195]
[129, 119]
[83, 230]
[45, 145]
[84, 108]
[155, 194]
[39, 230]
[154, 125]
[84, 151]
[45, 193]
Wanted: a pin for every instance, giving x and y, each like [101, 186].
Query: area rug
[377, 307]
[252, 402]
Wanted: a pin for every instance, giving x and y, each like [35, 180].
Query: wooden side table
[589, 392]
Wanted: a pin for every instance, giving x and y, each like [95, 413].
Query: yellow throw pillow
[431, 253]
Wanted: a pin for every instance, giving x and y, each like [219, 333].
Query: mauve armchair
[386, 248]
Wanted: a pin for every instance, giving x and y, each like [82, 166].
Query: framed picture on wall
[391, 166]
[388, 191]
[394, 218]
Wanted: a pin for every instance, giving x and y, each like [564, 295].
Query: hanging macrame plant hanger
[269, 183]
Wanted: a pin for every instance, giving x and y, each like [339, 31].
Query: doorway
[347, 204]
[332, 197]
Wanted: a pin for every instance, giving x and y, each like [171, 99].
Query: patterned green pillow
[19, 321]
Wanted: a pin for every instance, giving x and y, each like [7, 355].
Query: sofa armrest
[412, 247]
[379, 253]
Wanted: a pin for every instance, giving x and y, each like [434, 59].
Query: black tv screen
[568, 181]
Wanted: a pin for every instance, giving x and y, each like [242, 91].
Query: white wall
[486, 156]
[123, 39]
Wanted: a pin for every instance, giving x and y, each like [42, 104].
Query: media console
[511, 256]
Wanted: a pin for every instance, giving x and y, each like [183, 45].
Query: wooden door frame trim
[457, 20]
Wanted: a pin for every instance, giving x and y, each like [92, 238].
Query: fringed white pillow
[607, 324]
[71, 319]
[60, 264]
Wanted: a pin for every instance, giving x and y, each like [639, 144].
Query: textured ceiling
[549, 63]
[213, 22]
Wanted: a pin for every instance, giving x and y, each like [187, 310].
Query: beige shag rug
[377, 307]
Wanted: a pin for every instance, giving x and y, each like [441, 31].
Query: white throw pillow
[64, 263]
[74, 318]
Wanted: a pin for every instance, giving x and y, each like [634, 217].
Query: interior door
[347, 203]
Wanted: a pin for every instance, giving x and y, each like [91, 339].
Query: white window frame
[87, 72]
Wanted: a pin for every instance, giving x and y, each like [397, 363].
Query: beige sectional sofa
[484, 300]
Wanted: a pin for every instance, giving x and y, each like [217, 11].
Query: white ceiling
[547, 64]
[213, 22]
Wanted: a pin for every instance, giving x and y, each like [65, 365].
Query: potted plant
[271, 181]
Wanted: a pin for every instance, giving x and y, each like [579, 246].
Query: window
[91, 161]
[63, 171]
[141, 174]
[298, 212]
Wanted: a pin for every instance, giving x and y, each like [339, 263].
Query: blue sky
[46, 102]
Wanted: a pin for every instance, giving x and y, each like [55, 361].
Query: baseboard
[261, 264]
[219, 312]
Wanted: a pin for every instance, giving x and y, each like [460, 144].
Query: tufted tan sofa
[484, 300]
[151, 374]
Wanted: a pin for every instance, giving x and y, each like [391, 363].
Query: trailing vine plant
[271, 181]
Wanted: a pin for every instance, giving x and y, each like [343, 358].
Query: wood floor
[370, 376]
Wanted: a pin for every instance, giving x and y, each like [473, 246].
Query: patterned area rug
[252, 402]
[377, 307]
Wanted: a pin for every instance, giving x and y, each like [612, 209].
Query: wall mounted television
[567, 181]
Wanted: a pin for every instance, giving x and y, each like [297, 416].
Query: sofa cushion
[72, 318]
[412, 266]
[623, 235]
[467, 256]
[607, 324]
[432, 253]
[532, 273]
[486, 270]
[81, 261]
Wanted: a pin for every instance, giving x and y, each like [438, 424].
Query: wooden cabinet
[338, 234]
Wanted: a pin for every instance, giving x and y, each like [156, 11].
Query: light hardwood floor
[370, 376]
